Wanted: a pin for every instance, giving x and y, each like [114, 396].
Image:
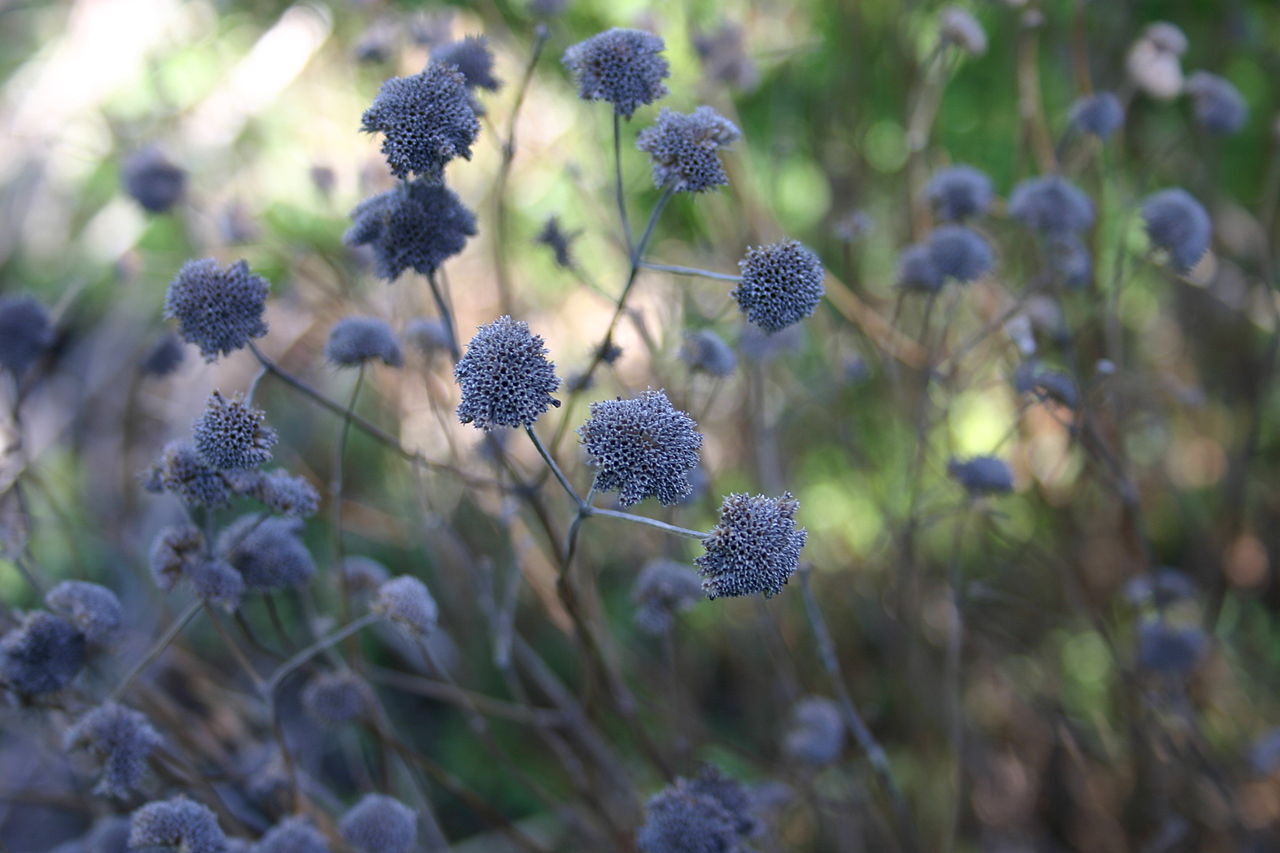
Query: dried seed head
[623, 67]
[218, 310]
[179, 824]
[473, 58]
[93, 609]
[706, 352]
[663, 589]
[231, 434]
[641, 448]
[781, 284]
[152, 180]
[356, 340]
[685, 149]
[817, 731]
[426, 120]
[962, 29]
[270, 554]
[418, 225]
[960, 253]
[278, 490]
[982, 475]
[1100, 114]
[1179, 225]
[959, 192]
[333, 698]
[755, 547]
[26, 332]
[182, 471]
[175, 549]
[1051, 205]
[380, 824]
[1219, 106]
[505, 377]
[120, 739]
[406, 601]
[42, 654]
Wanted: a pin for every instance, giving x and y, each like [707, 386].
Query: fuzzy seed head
[120, 739]
[963, 30]
[174, 550]
[1051, 205]
[958, 193]
[817, 731]
[218, 310]
[916, 270]
[232, 435]
[26, 332]
[426, 120]
[406, 601]
[179, 824]
[706, 352]
[663, 589]
[1179, 225]
[781, 284]
[1100, 114]
[708, 814]
[380, 824]
[164, 357]
[428, 334]
[363, 574]
[42, 654]
[417, 225]
[333, 698]
[473, 58]
[755, 547]
[505, 377]
[960, 253]
[642, 448]
[356, 340]
[1165, 649]
[93, 609]
[268, 554]
[182, 471]
[153, 181]
[554, 237]
[623, 67]
[216, 581]
[278, 490]
[685, 149]
[292, 835]
[1219, 106]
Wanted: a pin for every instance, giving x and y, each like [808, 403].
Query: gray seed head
[1178, 224]
[406, 601]
[218, 310]
[380, 824]
[621, 66]
[960, 253]
[179, 824]
[278, 490]
[706, 352]
[505, 377]
[93, 609]
[333, 698]
[173, 552]
[182, 471]
[418, 225]
[232, 435]
[42, 654]
[708, 814]
[959, 192]
[292, 835]
[1100, 114]
[26, 332]
[685, 149]
[963, 30]
[363, 574]
[754, 548]
[153, 181]
[120, 739]
[917, 271]
[426, 121]
[216, 581]
[1164, 649]
[663, 589]
[982, 475]
[1046, 384]
[554, 237]
[641, 448]
[781, 284]
[1161, 588]
[428, 334]
[1051, 205]
[164, 357]
[270, 554]
[724, 57]
[817, 731]
[473, 58]
[1219, 106]
[355, 340]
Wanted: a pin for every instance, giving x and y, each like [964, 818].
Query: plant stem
[693, 271]
[160, 645]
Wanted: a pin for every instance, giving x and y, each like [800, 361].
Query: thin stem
[283, 671]
[618, 193]
[446, 316]
[339, 456]
[161, 644]
[693, 271]
[555, 469]
[955, 683]
[652, 522]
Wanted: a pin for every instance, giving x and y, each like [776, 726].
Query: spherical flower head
[817, 731]
[960, 253]
[663, 589]
[42, 654]
[428, 334]
[641, 448]
[963, 30]
[215, 581]
[702, 815]
[1051, 205]
[153, 181]
[623, 67]
[380, 824]
[165, 356]
[685, 149]
[231, 434]
[25, 333]
[333, 698]
[179, 824]
[959, 192]
[270, 554]
[706, 352]
[406, 601]
[982, 475]
[1069, 259]
[554, 237]
[1100, 114]
[292, 835]
[182, 471]
[724, 57]
[1169, 650]
[729, 793]
[1155, 69]
[1219, 106]
[93, 609]
[505, 377]
[120, 739]
[278, 490]
[1166, 37]
[1179, 225]
[417, 225]
[1046, 384]
[426, 120]
[218, 310]
[917, 271]
[781, 284]
[174, 549]
[355, 340]
[473, 58]
[755, 547]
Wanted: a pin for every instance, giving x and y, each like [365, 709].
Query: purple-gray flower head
[92, 608]
[685, 149]
[554, 237]
[1219, 106]
[278, 490]
[42, 654]
[781, 284]
[960, 253]
[1100, 114]
[426, 120]
[917, 271]
[959, 192]
[1169, 650]
[1051, 205]
[641, 448]
[705, 351]
[215, 580]
[175, 549]
[218, 310]
[1069, 259]
[356, 340]
[1179, 225]
[179, 824]
[269, 554]
[471, 56]
[153, 181]
[333, 698]
[25, 333]
[428, 334]
[623, 67]
[164, 357]
[755, 546]
[380, 824]
[120, 739]
[231, 434]
[724, 57]
[700, 815]
[182, 471]
[982, 475]
[292, 835]
[817, 731]
[417, 225]
[406, 601]
[1046, 384]
[663, 589]
[505, 377]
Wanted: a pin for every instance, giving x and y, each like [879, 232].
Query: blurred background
[1075, 739]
